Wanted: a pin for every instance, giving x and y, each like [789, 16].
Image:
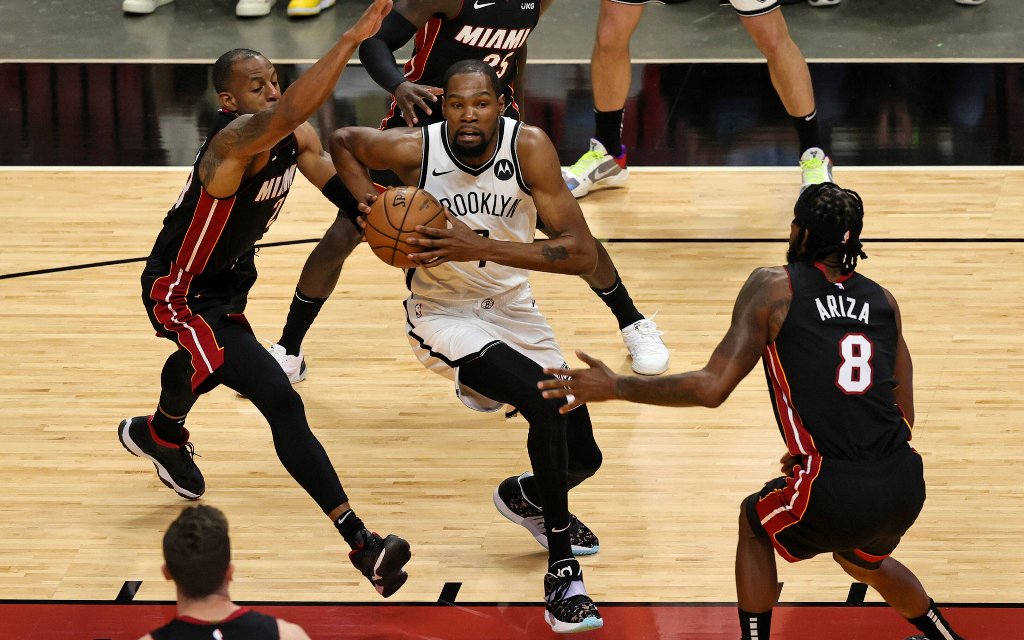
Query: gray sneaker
[512, 503]
[597, 169]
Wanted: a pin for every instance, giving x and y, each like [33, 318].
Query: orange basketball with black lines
[392, 221]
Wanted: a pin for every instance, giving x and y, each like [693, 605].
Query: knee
[770, 39]
[584, 464]
[746, 530]
[612, 39]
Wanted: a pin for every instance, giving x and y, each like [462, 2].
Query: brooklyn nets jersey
[493, 31]
[492, 199]
[830, 370]
[202, 236]
[244, 624]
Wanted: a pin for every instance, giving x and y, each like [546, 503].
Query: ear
[227, 101]
[805, 236]
[167, 574]
[501, 104]
[229, 575]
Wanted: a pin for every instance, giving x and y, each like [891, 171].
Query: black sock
[608, 130]
[350, 527]
[755, 626]
[618, 300]
[808, 131]
[168, 429]
[301, 314]
[933, 625]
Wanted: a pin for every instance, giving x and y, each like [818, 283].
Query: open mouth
[468, 135]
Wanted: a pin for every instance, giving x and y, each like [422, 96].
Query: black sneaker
[174, 464]
[512, 503]
[568, 608]
[381, 561]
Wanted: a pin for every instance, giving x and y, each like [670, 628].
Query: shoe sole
[389, 566]
[539, 536]
[312, 11]
[161, 472]
[646, 372]
[618, 180]
[587, 624]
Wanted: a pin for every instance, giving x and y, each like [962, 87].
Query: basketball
[392, 221]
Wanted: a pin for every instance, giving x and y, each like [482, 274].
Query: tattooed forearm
[554, 254]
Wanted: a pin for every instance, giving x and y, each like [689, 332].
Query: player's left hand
[364, 210]
[457, 243]
[581, 386]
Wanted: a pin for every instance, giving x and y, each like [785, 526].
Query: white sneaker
[643, 341]
[823, 3]
[294, 366]
[597, 169]
[815, 167]
[142, 6]
[970, 3]
[253, 8]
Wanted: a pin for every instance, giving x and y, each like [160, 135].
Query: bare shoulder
[290, 631]
[531, 137]
[769, 279]
[767, 295]
[306, 135]
[146, 637]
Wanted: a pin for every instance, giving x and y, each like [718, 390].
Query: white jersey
[492, 199]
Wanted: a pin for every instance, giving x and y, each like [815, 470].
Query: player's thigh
[753, 8]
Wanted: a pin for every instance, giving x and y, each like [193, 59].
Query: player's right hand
[410, 95]
[369, 23]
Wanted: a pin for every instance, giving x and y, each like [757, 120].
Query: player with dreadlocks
[841, 383]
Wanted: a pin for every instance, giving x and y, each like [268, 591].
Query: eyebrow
[487, 92]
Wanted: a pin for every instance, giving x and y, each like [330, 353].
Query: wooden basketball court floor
[81, 520]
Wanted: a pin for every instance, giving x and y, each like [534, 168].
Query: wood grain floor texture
[80, 516]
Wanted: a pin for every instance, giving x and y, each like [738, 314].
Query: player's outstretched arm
[249, 135]
[757, 316]
[377, 53]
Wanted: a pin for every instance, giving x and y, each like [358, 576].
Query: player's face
[253, 86]
[472, 109]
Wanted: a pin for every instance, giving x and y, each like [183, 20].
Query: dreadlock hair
[222, 67]
[833, 217]
[197, 550]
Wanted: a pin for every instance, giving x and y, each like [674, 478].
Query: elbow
[714, 400]
[337, 141]
[713, 396]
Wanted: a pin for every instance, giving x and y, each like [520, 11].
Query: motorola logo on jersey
[481, 203]
[488, 38]
[503, 169]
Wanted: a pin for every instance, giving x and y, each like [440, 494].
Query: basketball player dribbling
[447, 31]
[471, 316]
[199, 273]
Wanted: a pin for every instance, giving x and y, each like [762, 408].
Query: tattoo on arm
[554, 254]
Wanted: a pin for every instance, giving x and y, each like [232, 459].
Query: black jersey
[244, 624]
[202, 236]
[494, 31]
[830, 370]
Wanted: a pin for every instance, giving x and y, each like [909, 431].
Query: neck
[212, 608]
[832, 268]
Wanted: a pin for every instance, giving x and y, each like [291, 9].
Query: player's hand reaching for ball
[456, 243]
[581, 386]
[410, 95]
[364, 210]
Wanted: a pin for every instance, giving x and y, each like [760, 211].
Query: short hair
[463, 67]
[224, 64]
[834, 218]
[197, 550]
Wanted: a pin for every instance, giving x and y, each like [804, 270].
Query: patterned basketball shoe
[294, 366]
[646, 348]
[174, 462]
[597, 169]
[512, 503]
[815, 168]
[381, 561]
[307, 8]
[568, 608]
